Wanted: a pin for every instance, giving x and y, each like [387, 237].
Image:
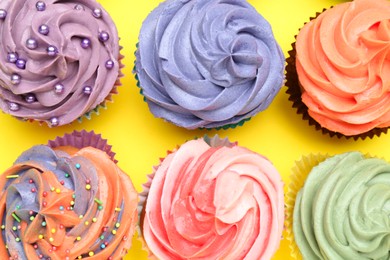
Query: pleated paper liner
[82, 139]
[294, 90]
[299, 174]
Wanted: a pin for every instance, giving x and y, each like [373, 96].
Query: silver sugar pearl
[79, 7]
[59, 88]
[52, 50]
[97, 13]
[13, 106]
[85, 43]
[12, 57]
[15, 79]
[41, 6]
[43, 29]
[110, 64]
[21, 64]
[31, 43]
[54, 121]
[30, 98]
[104, 36]
[3, 14]
[87, 90]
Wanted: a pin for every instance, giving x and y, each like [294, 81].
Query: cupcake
[207, 63]
[338, 73]
[60, 59]
[212, 199]
[67, 202]
[338, 208]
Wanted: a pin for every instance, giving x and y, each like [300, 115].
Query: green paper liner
[224, 127]
[294, 91]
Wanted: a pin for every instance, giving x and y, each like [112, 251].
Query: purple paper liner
[84, 139]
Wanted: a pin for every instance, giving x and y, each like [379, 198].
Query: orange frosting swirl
[66, 203]
[214, 203]
[343, 63]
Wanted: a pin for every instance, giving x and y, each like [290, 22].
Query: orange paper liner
[294, 91]
[84, 139]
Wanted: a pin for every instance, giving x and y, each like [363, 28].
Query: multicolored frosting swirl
[214, 202]
[343, 209]
[59, 59]
[342, 59]
[208, 63]
[66, 204]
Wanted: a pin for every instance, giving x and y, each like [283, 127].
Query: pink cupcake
[212, 199]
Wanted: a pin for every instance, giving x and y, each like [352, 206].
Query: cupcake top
[65, 203]
[59, 58]
[343, 209]
[212, 202]
[342, 60]
[208, 64]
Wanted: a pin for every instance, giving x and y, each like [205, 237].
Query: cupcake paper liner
[294, 91]
[84, 139]
[299, 174]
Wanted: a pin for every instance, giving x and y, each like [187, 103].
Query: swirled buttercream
[343, 209]
[208, 64]
[65, 204]
[59, 59]
[343, 63]
[208, 202]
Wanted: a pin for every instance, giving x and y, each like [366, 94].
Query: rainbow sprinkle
[12, 176]
[16, 217]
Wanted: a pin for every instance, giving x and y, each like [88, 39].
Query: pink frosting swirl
[214, 203]
[343, 63]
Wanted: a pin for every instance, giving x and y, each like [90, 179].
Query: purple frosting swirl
[49, 42]
[208, 63]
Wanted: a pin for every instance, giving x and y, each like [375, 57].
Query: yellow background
[140, 140]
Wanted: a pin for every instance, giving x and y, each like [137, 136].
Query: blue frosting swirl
[208, 63]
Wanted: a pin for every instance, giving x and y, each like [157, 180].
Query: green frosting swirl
[343, 210]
